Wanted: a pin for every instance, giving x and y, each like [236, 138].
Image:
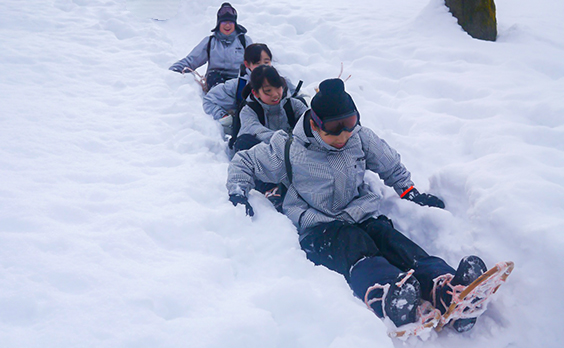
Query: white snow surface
[115, 227]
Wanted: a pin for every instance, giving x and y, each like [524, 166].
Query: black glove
[424, 199]
[177, 68]
[239, 199]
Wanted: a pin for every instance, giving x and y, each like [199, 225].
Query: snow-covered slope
[115, 228]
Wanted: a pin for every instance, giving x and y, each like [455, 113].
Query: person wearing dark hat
[323, 165]
[223, 50]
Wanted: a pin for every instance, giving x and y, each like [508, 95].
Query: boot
[397, 301]
[469, 269]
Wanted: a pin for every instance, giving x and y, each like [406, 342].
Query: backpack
[240, 37]
[257, 108]
[241, 84]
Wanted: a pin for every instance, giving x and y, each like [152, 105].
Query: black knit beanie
[332, 102]
[226, 16]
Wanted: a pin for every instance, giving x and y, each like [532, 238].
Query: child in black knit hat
[323, 166]
[223, 50]
[333, 113]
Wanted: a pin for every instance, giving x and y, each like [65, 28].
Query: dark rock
[476, 17]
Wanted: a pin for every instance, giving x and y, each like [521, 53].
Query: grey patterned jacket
[226, 54]
[275, 119]
[328, 183]
[221, 100]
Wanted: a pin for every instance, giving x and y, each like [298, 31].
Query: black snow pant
[371, 252]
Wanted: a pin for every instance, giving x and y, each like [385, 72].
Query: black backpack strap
[237, 119]
[300, 83]
[299, 97]
[236, 126]
[307, 125]
[287, 158]
[290, 112]
[246, 91]
[209, 47]
[242, 70]
[253, 104]
[243, 40]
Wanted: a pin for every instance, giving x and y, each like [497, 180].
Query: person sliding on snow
[223, 51]
[223, 100]
[336, 214]
[268, 108]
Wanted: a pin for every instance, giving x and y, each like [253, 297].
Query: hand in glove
[177, 68]
[226, 120]
[240, 199]
[422, 198]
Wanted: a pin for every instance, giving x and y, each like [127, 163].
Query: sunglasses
[227, 10]
[346, 122]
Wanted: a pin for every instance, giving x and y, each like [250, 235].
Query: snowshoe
[405, 314]
[469, 269]
[467, 302]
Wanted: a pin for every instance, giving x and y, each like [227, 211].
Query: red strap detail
[406, 191]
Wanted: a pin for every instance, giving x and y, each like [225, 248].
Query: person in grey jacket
[222, 101]
[223, 50]
[268, 109]
[269, 91]
[336, 213]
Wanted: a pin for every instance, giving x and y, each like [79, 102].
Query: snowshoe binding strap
[428, 317]
[369, 301]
